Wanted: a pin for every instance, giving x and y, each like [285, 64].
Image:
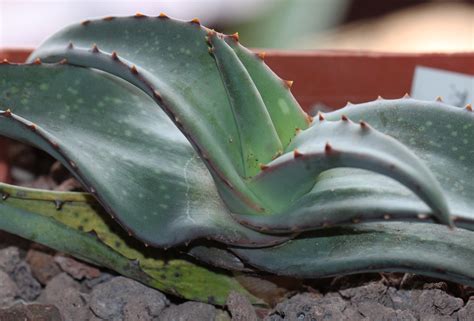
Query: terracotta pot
[334, 77]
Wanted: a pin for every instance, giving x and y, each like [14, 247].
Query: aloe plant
[183, 138]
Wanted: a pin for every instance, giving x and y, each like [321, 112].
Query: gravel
[78, 291]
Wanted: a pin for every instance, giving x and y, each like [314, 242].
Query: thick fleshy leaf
[258, 137]
[154, 54]
[218, 257]
[333, 144]
[286, 113]
[354, 196]
[123, 149]
[76, 224]
[442, 136]
[427, 249]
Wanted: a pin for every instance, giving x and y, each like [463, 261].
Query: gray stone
[29, 287]
[437, 302]
[240, 307]
[377, 311]
[398, 299]
[189, 311]
[63, 292]
[467, 312]
[373, 291]
[31, 312]
[222, 315]
[313, 306]
[9, 259]
[8, 289]
[126, 299]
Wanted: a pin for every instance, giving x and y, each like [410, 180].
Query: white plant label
[455, 88]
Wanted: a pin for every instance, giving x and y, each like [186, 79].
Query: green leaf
[440, 135]
[123, 149]
[169, 60]
[286, 113]
[76, 224]
[427, 249]
[333, 144]
[258, 137]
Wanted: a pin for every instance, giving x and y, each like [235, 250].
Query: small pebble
[125, 299]
[63, 292]
[8, 290]
[240, 307]
[189, 311]
[31, 312]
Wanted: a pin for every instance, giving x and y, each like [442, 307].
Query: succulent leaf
[426, 249]
[180, 133]
[258, 136]
[93, 237]
[286, 113]
[123, 149]
[176, 48]
[332, 144]
[439, 134]
[218, 257]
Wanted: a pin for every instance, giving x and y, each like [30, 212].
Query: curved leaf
[154, 54]
[440, 135]
[332, 144]
[123, 149]
[286, 113]
[426, 249]
[258, 136]
[91, 236]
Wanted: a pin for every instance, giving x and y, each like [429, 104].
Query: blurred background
[381, 25]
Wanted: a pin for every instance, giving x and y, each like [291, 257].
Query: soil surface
[39, 284]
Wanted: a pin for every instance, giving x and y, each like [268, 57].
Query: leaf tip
[321, 116]
[134, 70]
[7, 113]
[297, 154]
[263, 167]
[261, 55]
[94, 48]
[195, 21]
[328, 148]
[363, 125]
[235, 36]
[288, 83]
